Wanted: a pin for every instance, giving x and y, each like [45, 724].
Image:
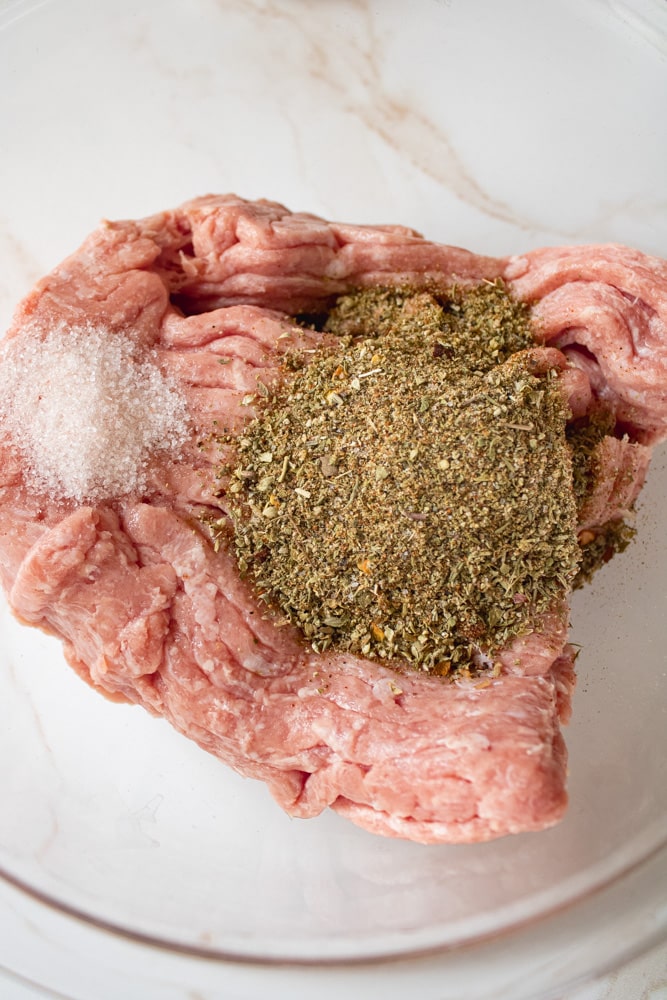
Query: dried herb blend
[407, 494]
[584, 436]
[600, 544]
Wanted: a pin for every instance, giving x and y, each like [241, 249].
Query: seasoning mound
[407, 494]
[87, 409]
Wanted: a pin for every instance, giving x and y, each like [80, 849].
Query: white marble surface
[495, 126]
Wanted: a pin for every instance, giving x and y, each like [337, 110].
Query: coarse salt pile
[88, 409]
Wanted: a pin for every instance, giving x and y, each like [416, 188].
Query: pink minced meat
[149, 613]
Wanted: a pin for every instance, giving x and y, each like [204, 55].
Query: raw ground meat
[149, 613]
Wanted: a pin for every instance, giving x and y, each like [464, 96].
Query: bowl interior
[463, 122]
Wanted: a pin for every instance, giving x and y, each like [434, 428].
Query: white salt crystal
[87, 409]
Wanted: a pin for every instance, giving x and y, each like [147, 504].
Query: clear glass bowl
[493, 128]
